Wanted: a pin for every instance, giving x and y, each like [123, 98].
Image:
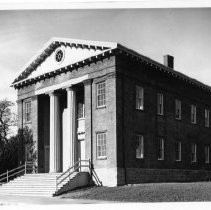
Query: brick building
[136, 119]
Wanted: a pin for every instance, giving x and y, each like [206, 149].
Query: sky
[182, 33]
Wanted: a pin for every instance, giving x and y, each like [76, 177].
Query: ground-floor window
[160, 149]
[178, 151]
[101, 145]
[28, 111]
[193, 152]
[139, 146]
[207, 154]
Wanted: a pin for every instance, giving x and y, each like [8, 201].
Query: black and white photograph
[105, 103]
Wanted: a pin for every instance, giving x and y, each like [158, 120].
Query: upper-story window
[28, 111]
[139, 97]
[139, 147]
[207, 117]
[193, 114]
[178, 109]
[101, 94]
[81, 113]
[160, 104]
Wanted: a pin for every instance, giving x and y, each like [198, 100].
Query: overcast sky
[183, 33]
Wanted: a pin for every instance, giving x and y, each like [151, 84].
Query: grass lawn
[153, 192]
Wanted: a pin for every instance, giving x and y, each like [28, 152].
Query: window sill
[102, 158]
[160, 159]
[178, 119]
[141, 158]
[162, 115]
[82, 118]
[101, 107]
[178, 161]
[28, 122]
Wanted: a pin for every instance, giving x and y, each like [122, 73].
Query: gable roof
[106, 49]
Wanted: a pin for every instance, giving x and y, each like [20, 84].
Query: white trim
[62, 85]
[110, 45]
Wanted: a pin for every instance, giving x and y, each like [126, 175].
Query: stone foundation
[139, 175]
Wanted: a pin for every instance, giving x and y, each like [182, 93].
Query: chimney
[168, 61]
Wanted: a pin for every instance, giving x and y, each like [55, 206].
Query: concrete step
[33, 195]
[34, 185]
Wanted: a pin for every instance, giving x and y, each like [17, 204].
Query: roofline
[160, 65]
[54, 40]
[112, 46]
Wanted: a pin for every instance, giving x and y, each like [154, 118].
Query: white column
[55, 135]
[71, 121]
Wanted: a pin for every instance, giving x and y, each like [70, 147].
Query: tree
[12, 147]
[7, 119]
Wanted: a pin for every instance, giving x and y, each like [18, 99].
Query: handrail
[15, 171]
[96, 177]
[68, 169]
[77, 166]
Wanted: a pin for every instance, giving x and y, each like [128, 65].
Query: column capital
[53, 93]
[70, 88]
[87, 81]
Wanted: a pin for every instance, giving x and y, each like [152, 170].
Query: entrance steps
[40, 184]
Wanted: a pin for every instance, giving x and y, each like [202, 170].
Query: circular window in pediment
[59, 55]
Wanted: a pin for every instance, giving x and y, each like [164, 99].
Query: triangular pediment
[59, 53]
[63, 56]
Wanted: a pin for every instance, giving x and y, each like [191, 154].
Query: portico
[70, 86]
[66, 125]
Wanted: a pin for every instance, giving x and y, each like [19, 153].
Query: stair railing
[20, 170]
[77, 167]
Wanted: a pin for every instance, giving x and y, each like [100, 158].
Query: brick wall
[131, 121]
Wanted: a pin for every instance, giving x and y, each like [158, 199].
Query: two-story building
[137, 120]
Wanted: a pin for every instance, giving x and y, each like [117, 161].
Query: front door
[47, 157]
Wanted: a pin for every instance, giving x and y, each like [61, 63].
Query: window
[101, 145]
[178, 109]
[80, 110]
[139, 147]
[207, 154]
[28, 111]
[178, 151]
[139, 98]
[193, 152]
[101, 94]
[160, 103]
[193, 114]
[160, 149]
[207, 118]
